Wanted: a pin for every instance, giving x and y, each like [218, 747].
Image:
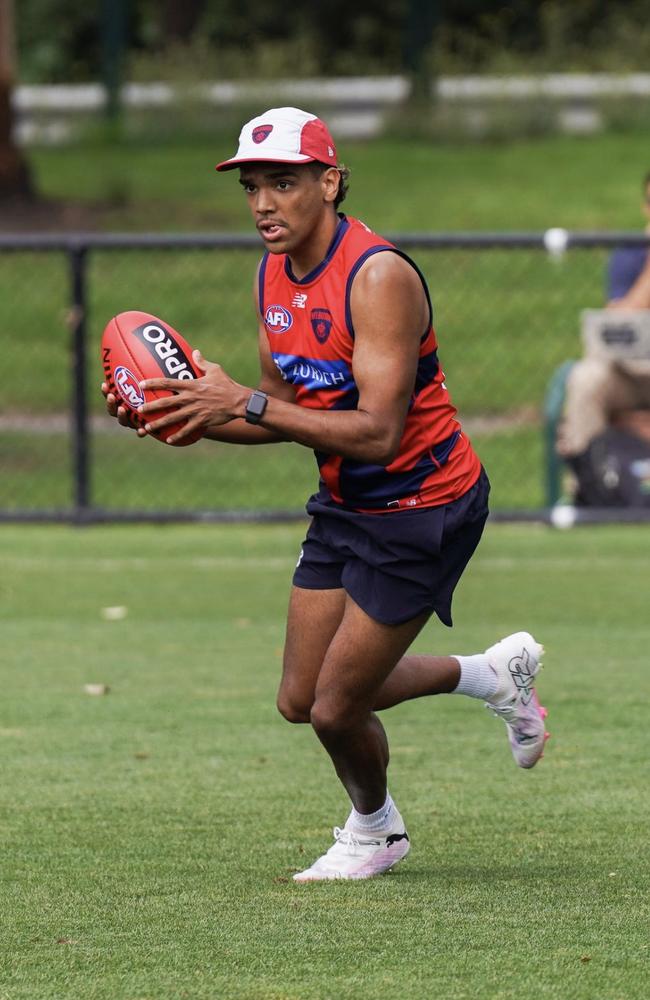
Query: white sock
[477, 678]
[372, 822]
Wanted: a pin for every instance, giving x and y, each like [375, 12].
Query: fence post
[553, 404]
[79, 397]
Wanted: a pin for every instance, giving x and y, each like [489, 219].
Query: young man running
[350, 368]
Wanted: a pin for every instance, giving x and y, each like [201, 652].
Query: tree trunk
[15, 180]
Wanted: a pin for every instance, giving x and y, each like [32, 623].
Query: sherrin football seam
[157, 394]
[138, 417]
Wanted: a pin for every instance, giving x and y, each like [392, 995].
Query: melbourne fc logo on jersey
[261, 132]
[321, 324]
[277, 319]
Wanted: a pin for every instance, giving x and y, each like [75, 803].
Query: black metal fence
[506, 312]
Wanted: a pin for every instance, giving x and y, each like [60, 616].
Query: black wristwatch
[256, 406]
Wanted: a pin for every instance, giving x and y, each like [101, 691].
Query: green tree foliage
[526, 36]
[60, 39]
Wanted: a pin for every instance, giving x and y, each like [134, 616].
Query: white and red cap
[283, 135]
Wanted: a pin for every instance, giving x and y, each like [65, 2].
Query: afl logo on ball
[127, 385]
[261, 132]
[277, 319]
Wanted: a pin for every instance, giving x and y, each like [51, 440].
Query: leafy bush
[60, 40]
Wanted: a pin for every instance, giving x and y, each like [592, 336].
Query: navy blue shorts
[395, 566]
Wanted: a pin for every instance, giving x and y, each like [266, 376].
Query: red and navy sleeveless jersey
[310, 331]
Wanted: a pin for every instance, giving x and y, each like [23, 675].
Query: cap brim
[237, 161]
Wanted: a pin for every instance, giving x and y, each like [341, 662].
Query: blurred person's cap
[283, 135]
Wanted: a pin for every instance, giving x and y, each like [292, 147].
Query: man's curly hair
[344, 178]
[344, 183]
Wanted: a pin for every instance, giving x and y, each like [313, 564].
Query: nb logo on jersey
[277, 319]
[299, 300]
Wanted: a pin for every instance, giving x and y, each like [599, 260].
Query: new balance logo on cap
[283, 135]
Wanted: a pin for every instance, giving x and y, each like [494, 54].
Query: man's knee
[292, 709]
[590, 376]
[332, 718]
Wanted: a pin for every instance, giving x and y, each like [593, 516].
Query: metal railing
[475, 275]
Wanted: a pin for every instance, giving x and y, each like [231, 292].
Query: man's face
[288, 201]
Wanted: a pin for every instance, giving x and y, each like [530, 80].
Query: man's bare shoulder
[388, 267]
[388, 294]
[388, 285]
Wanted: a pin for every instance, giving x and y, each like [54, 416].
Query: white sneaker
[359, 855]
[516, 661]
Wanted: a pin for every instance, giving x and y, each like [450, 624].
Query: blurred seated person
[601, 393]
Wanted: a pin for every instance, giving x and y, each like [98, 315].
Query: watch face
[256, 406]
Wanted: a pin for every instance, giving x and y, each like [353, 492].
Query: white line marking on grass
[553, 563]
[117, 565]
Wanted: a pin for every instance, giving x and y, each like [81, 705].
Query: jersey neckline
[339, 233]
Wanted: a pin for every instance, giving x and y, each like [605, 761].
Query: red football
[135, 346]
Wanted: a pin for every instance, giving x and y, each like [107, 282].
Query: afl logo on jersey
[261, 132]
[277, 319]
[321, 324]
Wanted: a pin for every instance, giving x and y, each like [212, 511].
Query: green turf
[149, 835]
[581, 182]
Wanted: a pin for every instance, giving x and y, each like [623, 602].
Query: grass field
[149, 835]
[580, 182]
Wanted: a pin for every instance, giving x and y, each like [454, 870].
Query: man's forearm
[354, 434]
[237, 431]
[349, 433]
